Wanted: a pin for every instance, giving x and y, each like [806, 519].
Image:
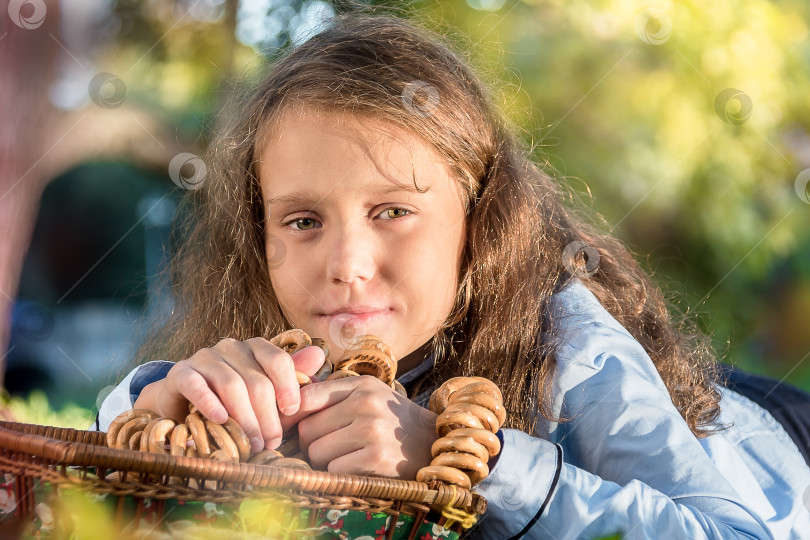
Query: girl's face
[353, 248]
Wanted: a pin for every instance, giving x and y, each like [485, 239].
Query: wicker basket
[40, 456]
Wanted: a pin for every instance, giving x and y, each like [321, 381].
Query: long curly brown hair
[515, 256]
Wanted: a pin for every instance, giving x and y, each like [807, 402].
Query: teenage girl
[369, 185]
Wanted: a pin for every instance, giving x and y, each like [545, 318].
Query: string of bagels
[470, 411]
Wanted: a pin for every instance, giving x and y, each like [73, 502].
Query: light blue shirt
[630, 464]
[627, 462]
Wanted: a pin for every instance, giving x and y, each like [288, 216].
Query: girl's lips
[347, 317]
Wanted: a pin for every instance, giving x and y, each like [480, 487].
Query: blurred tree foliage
[631, 99]
[684, 125]
[628, 102]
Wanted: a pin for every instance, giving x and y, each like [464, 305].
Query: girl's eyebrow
[300, 197]
[295, 197]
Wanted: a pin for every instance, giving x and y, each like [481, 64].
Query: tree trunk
[27, 56]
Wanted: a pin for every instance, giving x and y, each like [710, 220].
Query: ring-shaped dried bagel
[220, 455]
[119, 421]
[369, 341]
[302, 378]
[265, 457]
[292, 463]
[135, 441]
[473, 467]
[177, 440]
[129, 429]
[488, 419]
[290, 446]
[239, 437]
[341, 374]
[440, 398]
[482, 387]
[399, 389]
[322, 345]
[144, 444]
[370, 362]
[324, 371]
[464, 444]
[199, 434]
[352, 355]
[490, 403]
[222, 439]
[487, 439]
[292, 340]
[448, 421]
[445, 474]
[158, 434]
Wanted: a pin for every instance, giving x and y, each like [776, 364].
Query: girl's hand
[358, 425]
[249, 380]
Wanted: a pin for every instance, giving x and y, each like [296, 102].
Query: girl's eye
[304, 224]
[393, 213]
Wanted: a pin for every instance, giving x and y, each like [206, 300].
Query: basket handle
[70, 447]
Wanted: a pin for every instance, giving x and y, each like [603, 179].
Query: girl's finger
[186, 385]
[263, 400]
[330, 446]
[308, 360]
[320, 424]
[316, 397]
[230, 388]
[278, 366]
[358, 462]
[262, 397]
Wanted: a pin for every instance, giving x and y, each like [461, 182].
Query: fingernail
[290, 410]
[275, 443]
[256, 444]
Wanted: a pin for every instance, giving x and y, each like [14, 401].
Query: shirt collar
[417, 371]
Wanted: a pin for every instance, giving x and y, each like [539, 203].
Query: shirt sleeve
[532, 493]
[124, 395]
[519, 486]
[625, 462]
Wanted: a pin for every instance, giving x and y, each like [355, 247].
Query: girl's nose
[351, 255]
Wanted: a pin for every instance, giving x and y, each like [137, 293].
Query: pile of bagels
[470, 411]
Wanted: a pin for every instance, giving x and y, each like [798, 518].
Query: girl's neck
[413, 359]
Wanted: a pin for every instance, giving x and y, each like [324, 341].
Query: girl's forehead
[318, 147]
[363, 130]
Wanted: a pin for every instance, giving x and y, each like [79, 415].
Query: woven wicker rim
[71, 447]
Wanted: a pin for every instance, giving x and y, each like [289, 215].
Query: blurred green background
[684, 126]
